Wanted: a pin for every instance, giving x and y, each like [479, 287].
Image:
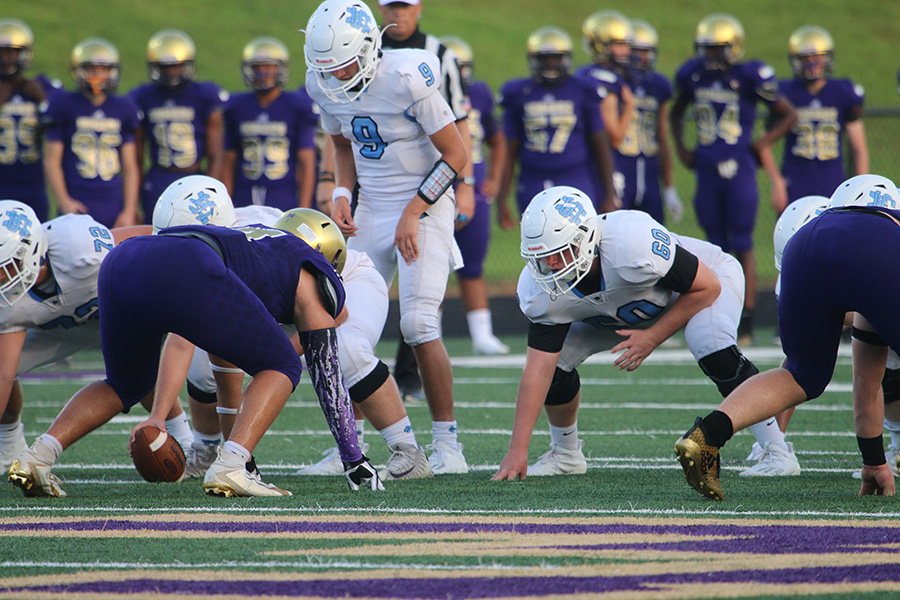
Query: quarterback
[620, 272]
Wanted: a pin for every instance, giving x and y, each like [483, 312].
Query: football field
[629, 528]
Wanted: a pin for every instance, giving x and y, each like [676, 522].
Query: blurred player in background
[182, 118]
[474, 237]
[827, 109]
[270, 155]
[21, 149]
[90, 158]
[724, 92]
[643, 157]
[554, 129]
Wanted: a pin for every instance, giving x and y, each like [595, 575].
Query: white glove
[673, 204]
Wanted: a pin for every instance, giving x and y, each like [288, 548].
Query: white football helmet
[340, 33]
[193, 200]
[798, 213]
[560, 220]
[22, 247]
[873, 191]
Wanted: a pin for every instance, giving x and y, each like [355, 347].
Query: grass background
[864, 34]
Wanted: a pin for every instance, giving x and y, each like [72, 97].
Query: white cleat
[756, 453]
[777, 461]
[11, 451]
[228, 477]
[447, 458]
[892, 456]
[489, 346]
[331, 464]
[198, 459]
[560, 461]
[32, 475]
[407, 461]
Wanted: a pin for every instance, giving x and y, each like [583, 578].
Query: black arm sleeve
[681, 275]
[547, 338]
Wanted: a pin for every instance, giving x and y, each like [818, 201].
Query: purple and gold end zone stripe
[674, 558]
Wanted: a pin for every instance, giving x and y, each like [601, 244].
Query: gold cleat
[35, 481]
[700, 463]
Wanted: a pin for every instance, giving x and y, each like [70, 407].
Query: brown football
[156, 455]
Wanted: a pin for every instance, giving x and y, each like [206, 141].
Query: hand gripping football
[156, 455]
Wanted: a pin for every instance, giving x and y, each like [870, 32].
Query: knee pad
[420, 327]
[199, 395]
[890, 385]
[369, 384]
[728, 369]
[564, 387]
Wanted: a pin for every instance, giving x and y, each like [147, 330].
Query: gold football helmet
[16, 35]
[317, 230]
[170, 48]
[95, 52]
[465, 58]
[805, 43]
[719, 40]
[602, 28]
[550, 54]
[265, 51]
[644, 45]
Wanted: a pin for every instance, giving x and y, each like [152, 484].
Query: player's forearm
[856, 136]
[536, 378]
[131, 180]
[344, 165]
[173, 369]
[868, 369]
[306, 175]
[53, 172]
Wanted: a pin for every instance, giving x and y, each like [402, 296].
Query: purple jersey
[174, 121]
[637, 160]
[725, 106]
[606, 81]
[93, 137]
[51, 86]
[267, 141]
[21, 166]
[482, 125]
[813, 163]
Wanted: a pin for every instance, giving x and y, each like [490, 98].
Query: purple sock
[321, 354]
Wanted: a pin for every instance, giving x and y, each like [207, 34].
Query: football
[156, 455]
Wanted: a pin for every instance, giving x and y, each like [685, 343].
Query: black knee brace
[564, 387]
[370, 383]
[728, 369]
[890, 385]
[201, 396]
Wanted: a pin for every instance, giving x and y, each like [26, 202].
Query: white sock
[9, 433]
[207, 439]
[47, 448]
[565, 437]
[179, 428]
[894, 428]
[360, 429]
[480, 323]
[240, 451]
[443, 431]
[400, 432]
[768, 432]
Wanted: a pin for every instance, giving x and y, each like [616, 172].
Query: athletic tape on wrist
[341, 192]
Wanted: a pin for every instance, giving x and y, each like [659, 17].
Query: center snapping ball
[156, 455]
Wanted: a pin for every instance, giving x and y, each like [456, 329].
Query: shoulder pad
[420, 72]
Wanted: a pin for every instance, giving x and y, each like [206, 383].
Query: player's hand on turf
[158, 423]
[407, 233]
[514, 466]
[342, 215]
[637, 346]
[877, 481]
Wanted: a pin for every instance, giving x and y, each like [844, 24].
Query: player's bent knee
[369, 384]
[728, 369]
[564, 388]
[201, 396]
[420, 328]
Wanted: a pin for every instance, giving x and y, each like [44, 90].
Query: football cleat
[10, 451]
[756, 453]
[700, 462]
[447, 458]
[331, 463]
[361, 475]
[489, 346]
[198, 459]
[407, 461]
[32, 475]
[777, 460]
[228, 476]
[560, 461]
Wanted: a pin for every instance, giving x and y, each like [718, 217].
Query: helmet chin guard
[559, 238]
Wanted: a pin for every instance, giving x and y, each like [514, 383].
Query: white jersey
[635, 253]
[389, 124]
[256, 214]
[76, 245]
